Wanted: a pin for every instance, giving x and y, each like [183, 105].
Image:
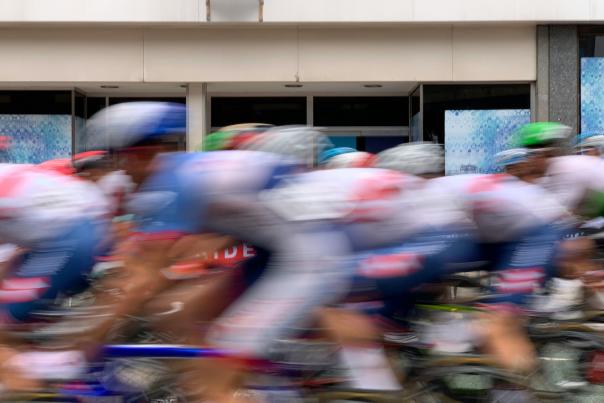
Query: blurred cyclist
[577, 181]
[61, 227]
[519, 228]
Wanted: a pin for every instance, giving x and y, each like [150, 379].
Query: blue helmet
[128, 124]
[332, 152]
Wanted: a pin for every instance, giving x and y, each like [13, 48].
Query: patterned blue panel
[36, 138]
[592, 95]
[473, 137]
[80, 134]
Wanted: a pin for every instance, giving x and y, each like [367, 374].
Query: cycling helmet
[356, 159]
[413, 158]
[542, 134]
[300, 142]
[333, 152]
[135, 123]
[591, 141]
[232, 137]
[511, 156]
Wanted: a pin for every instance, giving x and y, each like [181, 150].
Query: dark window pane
[93, 105]
[591, 41]
[80, 105]
[273, 110]
[35, 102]
[439, 98]
[361, 111]
[375, 144]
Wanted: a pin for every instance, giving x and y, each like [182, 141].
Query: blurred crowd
[269, 230]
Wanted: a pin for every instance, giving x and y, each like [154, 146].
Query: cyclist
[519, 226]
[61, 229]
[577, 181]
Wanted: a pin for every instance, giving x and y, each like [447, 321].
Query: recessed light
[110, 86]
[294, 85]
[372, 85]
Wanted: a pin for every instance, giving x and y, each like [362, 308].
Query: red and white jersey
[501, 206]
[376, 205]
[570, 178]
[38, 204]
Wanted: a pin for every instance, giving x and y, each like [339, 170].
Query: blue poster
[35, 138]
[473, 137]
[592, 95]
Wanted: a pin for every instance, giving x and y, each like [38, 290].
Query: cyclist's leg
[523, 266]
[55, 266]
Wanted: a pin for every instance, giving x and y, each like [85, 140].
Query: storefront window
[35, 125]
[361, 111]
[440, 98]
[272, 110]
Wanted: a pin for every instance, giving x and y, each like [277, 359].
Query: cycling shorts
[59, 266]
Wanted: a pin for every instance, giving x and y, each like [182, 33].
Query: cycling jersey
[37, 205]
[501, 207]
[572, 178]
[519, 224]
[60, 223]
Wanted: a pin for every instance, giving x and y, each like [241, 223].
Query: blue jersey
[176, 199]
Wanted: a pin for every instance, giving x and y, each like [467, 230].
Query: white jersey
[37, 204]
[501, 207]
[570, 178]
[377, 206]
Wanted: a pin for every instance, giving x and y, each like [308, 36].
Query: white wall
[283, 54]
[302, 11]
[101, 10]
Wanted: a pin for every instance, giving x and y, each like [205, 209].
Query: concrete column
[564, 75]
[197, 115]
[541, 105]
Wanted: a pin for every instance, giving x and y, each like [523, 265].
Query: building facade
[370, 73]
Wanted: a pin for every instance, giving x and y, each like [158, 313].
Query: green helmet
[216, 141]
[542, 134]
[226, 137]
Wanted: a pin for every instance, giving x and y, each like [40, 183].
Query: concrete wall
[302, 11]
[279, 54]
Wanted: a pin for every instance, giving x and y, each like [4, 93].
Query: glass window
[591, 41]
[35, 102]
[272, 110]
[344, 141]
[439, 98]
[94, 104]
[375, 144]
[361, 111]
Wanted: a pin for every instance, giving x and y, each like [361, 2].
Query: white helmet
[596, 141]
[300, 142]
[355, 159]
[413, 158]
